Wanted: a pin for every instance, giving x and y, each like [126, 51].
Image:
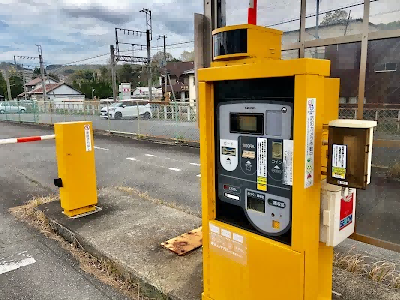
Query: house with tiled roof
[181, 81]
[58, 92]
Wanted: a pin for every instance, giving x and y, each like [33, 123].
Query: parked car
[126, 109]
[13, 107]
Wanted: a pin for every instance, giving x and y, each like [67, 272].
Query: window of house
[386, 67]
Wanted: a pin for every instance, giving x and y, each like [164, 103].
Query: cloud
[99, 13]
[71, 30]
[3, 24]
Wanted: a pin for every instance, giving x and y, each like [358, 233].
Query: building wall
[65, 90]
[192, 89]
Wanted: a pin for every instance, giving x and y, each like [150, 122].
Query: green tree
[338, 16]
[36, 73]
[3, 85]
[105, 74]
[16, 85]
[187, 55]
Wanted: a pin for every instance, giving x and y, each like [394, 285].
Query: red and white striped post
[252, 18]
[27, 139]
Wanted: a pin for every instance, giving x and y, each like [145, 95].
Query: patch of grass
[381, 271]
[104, 270]
[394, 171]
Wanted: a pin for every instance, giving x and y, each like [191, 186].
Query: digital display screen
[256, 204]
[247, 123]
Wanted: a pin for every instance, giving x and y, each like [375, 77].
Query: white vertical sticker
[262, 161]
[88, 140]
[339, 153]
[287, 162]
[310, 142]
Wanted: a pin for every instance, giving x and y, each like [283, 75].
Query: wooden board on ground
[186, 242]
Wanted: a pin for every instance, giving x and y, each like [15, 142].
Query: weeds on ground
[394, 171]
[381, 271]
[102, 269]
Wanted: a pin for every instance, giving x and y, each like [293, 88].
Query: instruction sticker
[88, 140]
[228, 244]
[228, 154]
[310, 142]
[339, 161]
[287, 162]
[262, 163]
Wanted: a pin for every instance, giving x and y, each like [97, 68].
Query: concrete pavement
[171, 173]
[33, 267]
[166, 172]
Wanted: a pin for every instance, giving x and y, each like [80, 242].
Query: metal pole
[8, 84]
[150, 79]
[252, 14]
[113, 75]
[302, 28]
[363, 61]
[42, 72]
[165, 65]
[316, 28]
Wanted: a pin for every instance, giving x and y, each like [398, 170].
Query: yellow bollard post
[76, 167]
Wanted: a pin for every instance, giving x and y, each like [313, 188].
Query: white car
[127, 109]
[11, 108]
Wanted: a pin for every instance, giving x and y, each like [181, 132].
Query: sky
[71, 30]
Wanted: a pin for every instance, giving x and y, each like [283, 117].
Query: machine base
[82, 212]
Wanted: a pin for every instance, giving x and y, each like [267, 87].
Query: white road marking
[198, 175]
[149, 155]
[132, 158]
[7, 266]
[174, 169]
[194, 164]
[100, 148]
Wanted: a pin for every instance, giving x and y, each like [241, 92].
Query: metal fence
[171, 120]
[168, 120]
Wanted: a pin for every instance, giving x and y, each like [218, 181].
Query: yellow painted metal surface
[268, 68]
[270, 270]
[262, 43]
[260, 273]
[76, 167]
[331, 112]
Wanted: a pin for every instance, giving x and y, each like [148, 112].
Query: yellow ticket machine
[261, 127]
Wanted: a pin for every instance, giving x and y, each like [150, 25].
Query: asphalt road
[171, 173]
[33, 267]
[154, 127]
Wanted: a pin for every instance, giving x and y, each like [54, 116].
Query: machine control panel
[254, 165]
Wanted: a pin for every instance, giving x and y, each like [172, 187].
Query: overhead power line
[321, 13]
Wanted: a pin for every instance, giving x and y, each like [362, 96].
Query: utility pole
[113, 75]
[149, 37]
[150, 79]
[164, 62]
[8, 84]
[316, 27]
[42, 72]
[23, 75]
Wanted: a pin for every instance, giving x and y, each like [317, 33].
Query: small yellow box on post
[76, 167]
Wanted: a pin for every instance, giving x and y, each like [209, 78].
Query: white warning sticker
[339, 161]
[229, 244]
[88, 139]
[262, 164]
[287, 162]
[310, 142]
